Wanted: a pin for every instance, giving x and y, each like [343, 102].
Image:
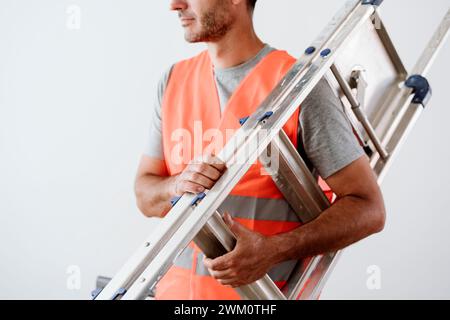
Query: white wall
[74, 110]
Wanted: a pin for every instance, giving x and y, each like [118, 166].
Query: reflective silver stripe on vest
[282, 271]
[200, 269]
[258, 209]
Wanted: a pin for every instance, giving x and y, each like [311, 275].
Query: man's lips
[186, 21]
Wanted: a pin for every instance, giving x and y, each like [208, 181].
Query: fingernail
[228, 218]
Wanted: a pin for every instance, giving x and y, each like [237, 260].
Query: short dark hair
[251, 4]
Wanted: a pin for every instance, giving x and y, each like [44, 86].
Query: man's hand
[198, 176]
[154, 188]
[248, 262]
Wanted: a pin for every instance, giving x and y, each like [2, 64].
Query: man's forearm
[153, 194]
[349, 220]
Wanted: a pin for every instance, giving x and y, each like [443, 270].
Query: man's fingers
[215, 162]
[198, 178]
[228, 282]
[220, 263]
[188, 186]
[222, 275]
[200, 175]
[206, 170]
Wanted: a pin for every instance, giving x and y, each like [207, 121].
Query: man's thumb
[234, 226]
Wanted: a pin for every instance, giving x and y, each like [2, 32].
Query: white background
[74, 112]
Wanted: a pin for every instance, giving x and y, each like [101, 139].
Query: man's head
[210, 20]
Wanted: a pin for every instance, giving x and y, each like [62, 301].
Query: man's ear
[239, 4]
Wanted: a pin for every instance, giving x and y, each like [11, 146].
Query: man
[211, 92]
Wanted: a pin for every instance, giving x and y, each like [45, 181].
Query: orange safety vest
[191, 107]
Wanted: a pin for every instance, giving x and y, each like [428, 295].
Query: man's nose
[178, 5]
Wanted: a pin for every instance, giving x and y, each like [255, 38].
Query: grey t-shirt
[326, 140]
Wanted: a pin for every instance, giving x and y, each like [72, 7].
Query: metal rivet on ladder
[325, 53]
[310, 50]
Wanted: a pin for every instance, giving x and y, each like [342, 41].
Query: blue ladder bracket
[265, 116]
[242, 121]
[119, 292]
[198, 198]
[95, 293]
[421, 89]
[174, 200]
[372, 2]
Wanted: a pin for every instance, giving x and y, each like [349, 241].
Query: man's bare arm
[358, 213]
[153, 187]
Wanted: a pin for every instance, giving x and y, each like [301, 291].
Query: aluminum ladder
[381, 99]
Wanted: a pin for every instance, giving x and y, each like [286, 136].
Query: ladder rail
[433, 47]
[410, 112]
[292, 177]
[300, 188]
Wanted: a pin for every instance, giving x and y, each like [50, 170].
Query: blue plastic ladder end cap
[372, 2]
[265, 116]
[243, 120]
[198, 198]
[421, 89]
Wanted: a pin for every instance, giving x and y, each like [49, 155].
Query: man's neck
[239, 45]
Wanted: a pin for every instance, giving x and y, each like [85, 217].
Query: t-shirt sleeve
[153, 146]
[326, 133]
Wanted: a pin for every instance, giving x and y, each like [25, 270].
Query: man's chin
[189, 37]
